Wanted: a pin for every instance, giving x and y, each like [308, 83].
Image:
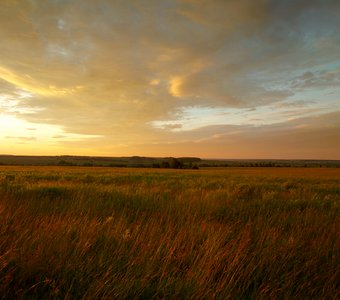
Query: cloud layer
[111, 70]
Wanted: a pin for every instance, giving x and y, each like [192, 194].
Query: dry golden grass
[233, 233]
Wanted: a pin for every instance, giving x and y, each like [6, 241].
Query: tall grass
[220, 234]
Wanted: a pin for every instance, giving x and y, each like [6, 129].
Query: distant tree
[175, 163]
[165, 164]
[65, 163]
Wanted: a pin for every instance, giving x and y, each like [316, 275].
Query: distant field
[215, 233]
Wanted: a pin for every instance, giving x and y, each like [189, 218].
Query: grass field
[233, 233]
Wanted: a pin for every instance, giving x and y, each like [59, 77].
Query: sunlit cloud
[162, 77]
[14, 132]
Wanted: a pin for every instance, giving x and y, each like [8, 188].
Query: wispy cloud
[22, 138]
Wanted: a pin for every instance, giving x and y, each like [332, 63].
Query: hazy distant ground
[227, 233]
[150, 162]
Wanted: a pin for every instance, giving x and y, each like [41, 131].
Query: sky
[207, 78]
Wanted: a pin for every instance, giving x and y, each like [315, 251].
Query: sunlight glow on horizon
[21, 137]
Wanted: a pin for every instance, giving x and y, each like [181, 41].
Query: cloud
[22, 138]
[111, 68]
[58, 136]
[305, 138]
[318, 79]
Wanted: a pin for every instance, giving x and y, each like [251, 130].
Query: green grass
[141, 234]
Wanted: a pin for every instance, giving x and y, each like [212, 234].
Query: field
[218, 233]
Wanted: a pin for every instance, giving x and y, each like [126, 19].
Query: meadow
[217, 233]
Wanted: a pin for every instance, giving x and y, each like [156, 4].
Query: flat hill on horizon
[157, 162]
